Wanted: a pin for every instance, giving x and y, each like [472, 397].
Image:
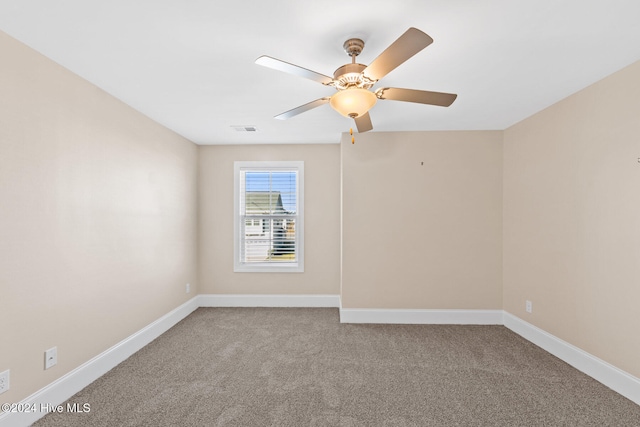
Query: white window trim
[240, 267]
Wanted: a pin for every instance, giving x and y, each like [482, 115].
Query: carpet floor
[302, 367]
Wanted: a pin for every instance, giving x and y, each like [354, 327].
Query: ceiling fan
[353, 81]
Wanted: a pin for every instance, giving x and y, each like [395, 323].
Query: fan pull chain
[353, 138]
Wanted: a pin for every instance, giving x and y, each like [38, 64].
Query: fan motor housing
[350, 75]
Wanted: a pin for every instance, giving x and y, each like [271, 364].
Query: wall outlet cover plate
[4, 381]
[50, 357]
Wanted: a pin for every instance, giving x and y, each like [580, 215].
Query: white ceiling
[189, 64]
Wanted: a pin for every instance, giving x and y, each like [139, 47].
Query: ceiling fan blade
[363, 123]
[286, 67]
[301, 109]
[407, 45]
[419, 96]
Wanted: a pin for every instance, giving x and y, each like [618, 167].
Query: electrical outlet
[529, 306]
[188, 288]
[4, 381]
[50, 357]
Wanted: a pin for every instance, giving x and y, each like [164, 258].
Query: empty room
[364, 213]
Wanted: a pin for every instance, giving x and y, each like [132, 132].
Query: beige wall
[572, 219]
[422, 236]
[97, 219]
[321, 221]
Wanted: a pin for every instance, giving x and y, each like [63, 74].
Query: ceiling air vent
[245, 128]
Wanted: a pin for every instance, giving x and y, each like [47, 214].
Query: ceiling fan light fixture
[353, 102]
[354, 82]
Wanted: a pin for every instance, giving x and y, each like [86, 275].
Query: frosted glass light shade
[353, 102]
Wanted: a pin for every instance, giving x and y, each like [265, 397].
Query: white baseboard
[449, 317]
[614, 378]
[66, 386]
[232, 300]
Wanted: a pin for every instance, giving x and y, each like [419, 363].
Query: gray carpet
[301, 367]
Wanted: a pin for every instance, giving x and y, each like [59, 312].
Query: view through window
[269, 217]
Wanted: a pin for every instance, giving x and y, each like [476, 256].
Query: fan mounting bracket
[353, 47]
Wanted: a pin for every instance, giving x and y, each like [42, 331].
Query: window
[269, 222]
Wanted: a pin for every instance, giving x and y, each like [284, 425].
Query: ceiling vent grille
[245, 128]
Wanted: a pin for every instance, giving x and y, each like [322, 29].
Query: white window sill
[268, 268]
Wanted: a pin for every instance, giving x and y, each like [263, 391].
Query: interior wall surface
[321, 220]
[572, 219]
[98, 217]
[422, 220]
